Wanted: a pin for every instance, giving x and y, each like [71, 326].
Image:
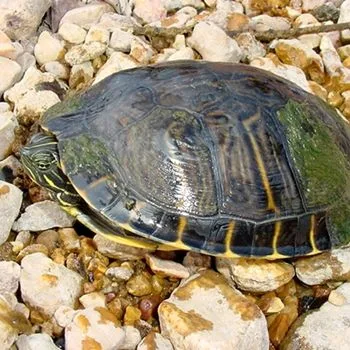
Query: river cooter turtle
[220, 158]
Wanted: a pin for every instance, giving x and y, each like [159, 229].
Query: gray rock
[10, 204]
[9, 272]
[46, 285]
[43, 216]
[19, 19]
[58, 9]
[326, 12]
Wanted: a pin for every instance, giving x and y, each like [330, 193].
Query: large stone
[46, 285]
[214, 44]
[8, 123]
[43, 216]
[10, 204]
[205, 312]
[94, 328]
[319, 269]
[48, 48]
[327, 328]
[256, 275]
[19, 19]
[10, 73]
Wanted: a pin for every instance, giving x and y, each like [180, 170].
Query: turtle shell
[225, 159]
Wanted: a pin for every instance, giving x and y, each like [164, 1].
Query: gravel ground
[61, 287]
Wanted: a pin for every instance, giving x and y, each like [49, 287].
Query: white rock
[119, 272]
[155, 341]
[36, 342]
[141, 51]
[121, 40]
[72, 33]
[276, 305]
[64, 315]
[172, 5]
[256, 275]
[24, 237]
[112, 21]
[294, 74]
[43, 216]
[84, 52]
[305, 20]
[93, 299]
[205, 312]
[10, 50]
[97, 33]
[97, 326]
[46, 285]
[263, 23]
[213, 43]
[124, 7]
[319, 269]
[10, 167]
[48, 48]
[167, 268]
[30, 80]
[183, 54]
[4, 107]
[19, 19]
[178, 20]
[344, 16]
[117, 62]
[336, 298]
[34, 103]
[251, 48]
[149, 10]
[132, 338]
[9, 272]
[87, 15]
[161, 57]
[8, 123]
[344, 51]
[10, 204]
[312, 41]
[330, 57]
[311, 4]
[59, 70]
[179, 42]
[10, 73]
[326, 328]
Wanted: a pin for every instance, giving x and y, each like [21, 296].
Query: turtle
[219, 158]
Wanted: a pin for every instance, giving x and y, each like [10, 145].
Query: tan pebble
[132, 314]
[276, 305]
[335, 99]
[237, 22]
[115, 306]
[318, 90]
[346, 62]
[58, 256]
[69, 239]
[33, 248]
[336, 298]
[157, 284]
[48, 238]
[139, 285]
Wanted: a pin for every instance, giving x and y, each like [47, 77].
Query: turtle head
[41, 161]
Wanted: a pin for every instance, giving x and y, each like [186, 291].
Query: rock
[132, 338]
[231, 321]
[121, 6]
[262, 23]
[319, 269]
[155, 341]
[139, 285]
[194, 262]
[46, 285]
[43, 216]
[10, 204]
[326, 328]
[31, 80]
[9, 272]
[49, 238]
[117, 61]
[34, 103]
[326, 12]
[183, 54]
[251, 48]
[81, 74]
[141, 51]
[35, 342]
[87, 15]
[237, 22]
[312, 41]
[149, 10]
[59, 70]
[94, 299]
[19, 19]
[9, 49]
[48, 48]
[8, 123]
[120, 272]
[112, 21]
[305, 20]
[330, 57]
[64, 315]
[132, 315]
[255, 275]
[318, 90]
[166, 268]
[10, 167]
[213, 43]
[94, 328]
[344, 16]
[272, 64]
[11, 73]
[294, 52]
[344, 51]
[336, 298]
[97, 33]
[121, 40]
[272, 305]
[178, 20]
[72, 33]
[172, 5]
[311, 4]
[84, 52]
[58, 9]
